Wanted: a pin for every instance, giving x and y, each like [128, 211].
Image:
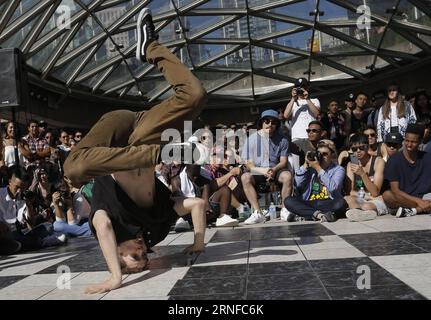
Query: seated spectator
[335, 124]
[319, 187]
[18, 217]
[302, 146]
[265, 155]
[393, 144]
[66, 219]
[395, 114]
[366, 173]
[375, 148]
[409, 175]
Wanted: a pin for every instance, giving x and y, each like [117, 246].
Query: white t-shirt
[301, 117]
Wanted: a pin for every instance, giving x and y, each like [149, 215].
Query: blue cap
[269, 113]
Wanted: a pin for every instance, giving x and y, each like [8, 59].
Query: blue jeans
[73, 230]
[41, 236]
[306, 208]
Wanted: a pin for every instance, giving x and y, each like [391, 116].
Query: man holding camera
[319, 187]
[301, 110]
[18, 219]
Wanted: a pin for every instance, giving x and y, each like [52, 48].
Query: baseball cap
[42, 124]
[395, 137]
[269, 114]
[350, 97]
[301, 82]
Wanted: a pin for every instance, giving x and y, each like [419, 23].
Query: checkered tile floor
[275, 260]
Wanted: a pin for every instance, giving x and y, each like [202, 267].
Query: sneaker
[146, 33]
[226, 221]
[256, 217]
[360, 215]
[327, 217]
[405, 212]
[184, 152]
[182, 225]
[286, 215]
[62, 238]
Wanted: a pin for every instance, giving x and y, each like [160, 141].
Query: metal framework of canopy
[241, 50]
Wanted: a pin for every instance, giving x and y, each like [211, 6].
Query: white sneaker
[405, 212]
[62, 238]
[286, 215]
[360, 215]
[182, 225]
[226, 221]
[256, 217]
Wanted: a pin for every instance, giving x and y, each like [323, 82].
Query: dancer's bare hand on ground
[103, 287]
[194, 249]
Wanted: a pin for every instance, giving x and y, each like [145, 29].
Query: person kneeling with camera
[19, 222]
[318, 187]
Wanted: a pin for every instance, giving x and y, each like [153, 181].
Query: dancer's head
[133, 255]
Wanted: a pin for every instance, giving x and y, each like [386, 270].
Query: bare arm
[108, 244]
[282, 164]
[314, 110]
[288, 111]
[395, 188]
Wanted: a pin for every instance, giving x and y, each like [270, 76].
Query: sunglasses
[270, 121]
[362, 148]
[78, 136]
[313, 130]
[205, 137]
[372, 135]
[393, 145]
[324, 154]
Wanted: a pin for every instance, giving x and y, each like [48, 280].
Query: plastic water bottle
[272, 211]
[247, 210]
[361, 195]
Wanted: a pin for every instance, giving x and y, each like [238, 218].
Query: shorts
[262, 185]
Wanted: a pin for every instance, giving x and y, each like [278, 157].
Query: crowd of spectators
[358, 159]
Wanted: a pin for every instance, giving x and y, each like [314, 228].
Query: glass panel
[294, 70]
[238, 59]
[357, 63]
[321, 71]
[333, 12]
[212, 80]
[93, 80]
[23, 7]
[17, 38]
[136, 66]
[64, 72]
[425, 38]
[88, 30]
[328, 44]
[394, 41]
[204, 52]
[274, 56]
[370, 36]
[410, 13]
[52, 23]
[38, 60]
[264, 85]
[378, 7]
[263, 27]
[183, 55]
[242, 87]
[160, 6]
[380, 63]
[120, 75]
[298, 10]
[101, 56]
[224, 4]
[133, 91]
[298, 40]
[196, 24]
[110, 15]
[170, 32]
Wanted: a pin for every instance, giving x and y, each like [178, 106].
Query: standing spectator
[394, 115]
[301, 110]
[335, 124]
[360, 114]
[422, 106]
[63, 147]
[265, 155]
[39, 148]
[9, 147]
[366, 173]
[42, 127]
[409, 175]
[319, 187]
[78, 136]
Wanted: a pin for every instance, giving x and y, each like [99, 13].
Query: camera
[299, 91]
[28, 195]
[314, 156]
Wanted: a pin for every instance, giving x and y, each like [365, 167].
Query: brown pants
[124, 140]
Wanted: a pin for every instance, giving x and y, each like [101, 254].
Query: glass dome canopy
[241, 50]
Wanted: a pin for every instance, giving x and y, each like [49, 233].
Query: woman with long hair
[395, 114]
[422, 106]
[8, 146]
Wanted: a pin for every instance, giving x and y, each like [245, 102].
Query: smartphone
[354, 159]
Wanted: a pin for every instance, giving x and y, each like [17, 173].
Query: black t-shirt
[128, 220]
[414, 179]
